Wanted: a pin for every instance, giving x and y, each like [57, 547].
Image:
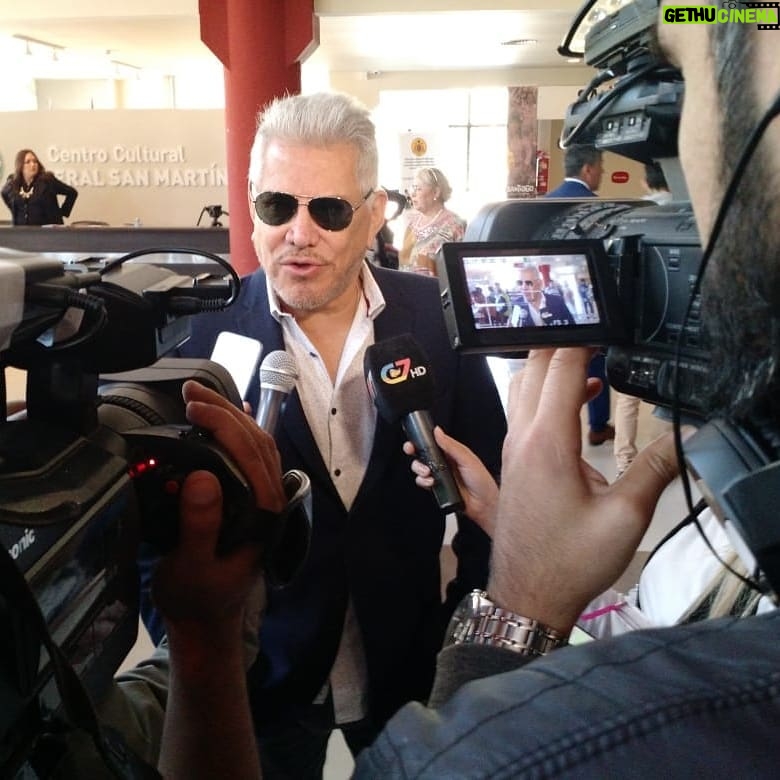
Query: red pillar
[261, 44]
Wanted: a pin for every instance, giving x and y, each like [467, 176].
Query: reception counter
[71, 244]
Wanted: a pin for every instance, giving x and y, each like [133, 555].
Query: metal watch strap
[489, 624]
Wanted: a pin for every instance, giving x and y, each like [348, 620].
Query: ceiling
[93, 39]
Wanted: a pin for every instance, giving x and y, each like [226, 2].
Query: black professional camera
[87, 471]
[625, 270]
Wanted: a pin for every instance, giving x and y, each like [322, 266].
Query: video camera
[86, 472]
[626, 269]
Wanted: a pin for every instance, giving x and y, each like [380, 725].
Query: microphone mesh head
[278, 371]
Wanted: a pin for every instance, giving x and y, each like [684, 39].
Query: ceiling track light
[120, 67]
[54, 48]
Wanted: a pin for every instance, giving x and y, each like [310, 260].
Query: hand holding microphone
[400, 382]
[476, 484]
[278, 374]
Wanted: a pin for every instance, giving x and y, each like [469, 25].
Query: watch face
[469, 607]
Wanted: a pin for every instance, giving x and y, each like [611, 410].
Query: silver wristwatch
[477, 620]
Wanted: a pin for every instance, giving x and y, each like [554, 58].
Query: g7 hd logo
[400, 370]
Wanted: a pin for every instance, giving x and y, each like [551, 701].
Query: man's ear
[589, 174]
[378, 204]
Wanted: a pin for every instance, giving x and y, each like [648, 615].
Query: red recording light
[142, 466]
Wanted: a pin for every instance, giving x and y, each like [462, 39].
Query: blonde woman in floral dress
[429, 224]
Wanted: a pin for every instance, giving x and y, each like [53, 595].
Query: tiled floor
[669, 511]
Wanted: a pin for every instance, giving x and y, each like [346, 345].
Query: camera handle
[79, 712]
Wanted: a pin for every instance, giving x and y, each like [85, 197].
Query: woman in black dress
[32, 193]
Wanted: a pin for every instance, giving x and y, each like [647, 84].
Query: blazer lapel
[294, 439]
[397, 317]
[296, 434]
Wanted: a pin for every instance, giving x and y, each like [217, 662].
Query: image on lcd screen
[530, 291]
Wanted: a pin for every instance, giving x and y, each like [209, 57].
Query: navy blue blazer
[571, 189]
[384, 552]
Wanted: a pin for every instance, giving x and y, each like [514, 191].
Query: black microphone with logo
[401, 383]
[278, 374]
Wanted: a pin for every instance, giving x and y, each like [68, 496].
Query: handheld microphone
[278, 374]
[400, 382]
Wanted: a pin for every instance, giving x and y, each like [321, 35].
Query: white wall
[161, 166]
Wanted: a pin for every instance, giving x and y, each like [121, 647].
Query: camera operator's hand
[202, 597]
[254, 451]
[198, 592]
[563, 534]
[476, 483]
[207, 729]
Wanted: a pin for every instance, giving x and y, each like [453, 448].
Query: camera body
[625, 270]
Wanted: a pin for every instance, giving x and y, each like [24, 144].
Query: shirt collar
[579, 181]
[372, 295]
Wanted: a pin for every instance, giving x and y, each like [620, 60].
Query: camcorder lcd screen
[501, 297]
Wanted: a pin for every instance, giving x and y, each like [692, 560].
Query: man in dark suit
[329, 657]
[583, 166]
[538, 307]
